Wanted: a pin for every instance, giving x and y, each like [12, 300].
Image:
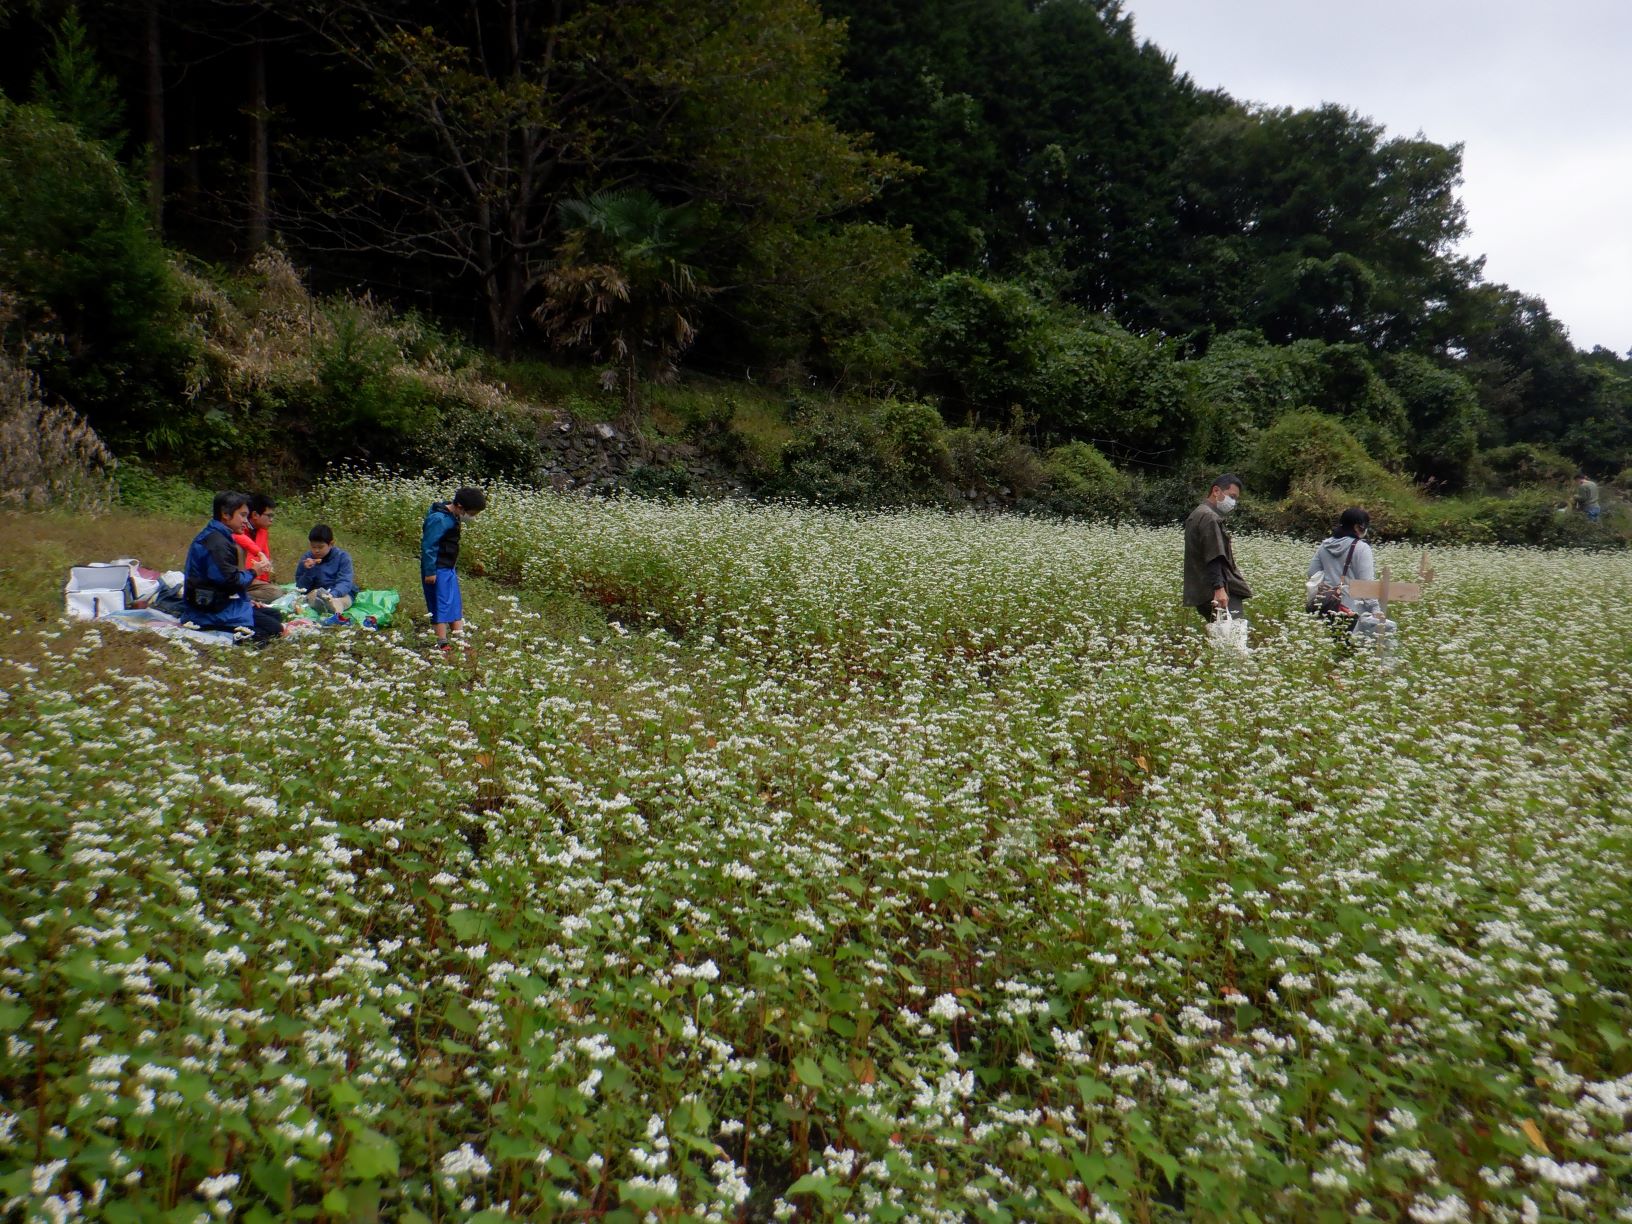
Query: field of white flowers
[897, 867]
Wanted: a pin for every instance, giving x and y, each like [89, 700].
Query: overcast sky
[1536, 92]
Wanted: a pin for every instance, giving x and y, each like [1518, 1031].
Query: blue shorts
[443, 599]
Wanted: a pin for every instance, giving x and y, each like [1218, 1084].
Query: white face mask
[1226, 504]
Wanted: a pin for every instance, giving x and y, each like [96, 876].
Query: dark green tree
[74, 88]
[1313, 225]
[622, 287]
[494, 114]
[84, 268]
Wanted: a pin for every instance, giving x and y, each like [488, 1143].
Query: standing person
[256, 542]
[216, 586]
[324, 575]
[1586, 497]
[439, 558]
[1211, 579]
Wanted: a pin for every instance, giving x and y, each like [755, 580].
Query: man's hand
[430, 579]
[1221, 598]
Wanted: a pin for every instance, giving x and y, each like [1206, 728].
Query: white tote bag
[1228, 632]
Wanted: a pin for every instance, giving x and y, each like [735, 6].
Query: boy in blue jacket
[324, 574]
[216, 587]
[439, 558]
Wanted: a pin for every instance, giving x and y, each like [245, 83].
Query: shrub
[840, 460]
[362, 388]
[986, 461]
[916, 436]
[1443, 417]
[1095, 380]
[1522, 465]
[1534, 517]
[659, 481]
[49, 456]
[983, 340]
[1082, 482]
[1306, 446]
[1168, 497]
[1312, 507]
[478, 442]
[1243, 385]
[710, 424]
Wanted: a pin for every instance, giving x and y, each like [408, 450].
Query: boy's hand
[308, 562]
[430, 579]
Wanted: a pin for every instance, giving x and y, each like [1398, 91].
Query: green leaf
[1092, 1090]
[467, 924]
[1071, 1210]
[371, 1155]
[460, 1017]
[1255, 942]
[813, 1183]
[808, 1072]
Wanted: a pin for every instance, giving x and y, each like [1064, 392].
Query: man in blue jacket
[439, 559]
[325, 573]
[217, 585]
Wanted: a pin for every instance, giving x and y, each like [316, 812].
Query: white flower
[464, 1161]
[215, 1187]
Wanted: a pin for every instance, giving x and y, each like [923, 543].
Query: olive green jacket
[1209, 558]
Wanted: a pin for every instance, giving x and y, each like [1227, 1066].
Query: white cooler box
[96, 590]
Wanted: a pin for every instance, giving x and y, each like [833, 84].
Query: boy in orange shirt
[257, 549]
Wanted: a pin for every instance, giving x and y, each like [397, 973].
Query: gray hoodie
[1328, 563]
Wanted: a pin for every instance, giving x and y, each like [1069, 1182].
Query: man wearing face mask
[1211, 579]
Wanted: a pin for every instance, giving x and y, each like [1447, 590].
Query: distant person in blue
[439, 557]
[324, 575]
[216, 587]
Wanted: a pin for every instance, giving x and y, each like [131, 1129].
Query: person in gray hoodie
[1342, 556]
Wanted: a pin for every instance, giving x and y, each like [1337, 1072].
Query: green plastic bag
[290, 604]
[381, 605]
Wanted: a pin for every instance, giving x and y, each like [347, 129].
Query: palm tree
[621, 285]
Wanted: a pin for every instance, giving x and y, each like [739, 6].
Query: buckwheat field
[899, 867]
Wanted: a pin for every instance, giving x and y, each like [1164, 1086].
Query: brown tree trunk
[259, 212]
[155, 118]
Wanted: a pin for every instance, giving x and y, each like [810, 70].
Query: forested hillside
[968, 245]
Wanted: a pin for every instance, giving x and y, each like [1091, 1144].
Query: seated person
[255, 542]
[1342, 556]
[323, 575]
[216, 588]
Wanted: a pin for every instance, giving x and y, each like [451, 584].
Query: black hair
[1351, 520]
[260, 503]
[1226, 479]
[470, 499]
[227, 502]
[321, 534]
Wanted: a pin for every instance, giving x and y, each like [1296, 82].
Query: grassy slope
[36, 551]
